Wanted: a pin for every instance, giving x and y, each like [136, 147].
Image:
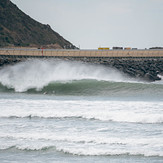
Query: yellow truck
[103, 48]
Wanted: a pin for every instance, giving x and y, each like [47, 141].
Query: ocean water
[66, 111]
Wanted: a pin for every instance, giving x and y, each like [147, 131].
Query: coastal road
[81, 53]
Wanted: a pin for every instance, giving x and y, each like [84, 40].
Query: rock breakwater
[9, 61]
[148, 69]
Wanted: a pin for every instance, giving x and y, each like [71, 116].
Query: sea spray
[39, 73]
[60, 77]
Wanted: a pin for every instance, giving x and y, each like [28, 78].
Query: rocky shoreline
[147, 69]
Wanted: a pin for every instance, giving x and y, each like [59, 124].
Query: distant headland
[19, 30]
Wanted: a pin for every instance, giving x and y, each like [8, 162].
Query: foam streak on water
[118, 111]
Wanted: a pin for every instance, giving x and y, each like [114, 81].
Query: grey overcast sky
[94, 23]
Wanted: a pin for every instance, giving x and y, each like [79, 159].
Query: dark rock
[150, 77]
[146, 69]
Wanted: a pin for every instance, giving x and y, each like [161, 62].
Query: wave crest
[88, 152]
[58, 77]
[38, 74]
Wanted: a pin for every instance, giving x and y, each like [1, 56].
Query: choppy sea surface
[65, 111]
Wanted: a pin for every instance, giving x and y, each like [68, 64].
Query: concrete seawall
[81, 53]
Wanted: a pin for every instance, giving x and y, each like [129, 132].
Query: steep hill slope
[18, 29]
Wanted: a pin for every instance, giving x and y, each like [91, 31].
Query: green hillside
[19, 29]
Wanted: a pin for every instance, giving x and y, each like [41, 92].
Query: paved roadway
[156, 53]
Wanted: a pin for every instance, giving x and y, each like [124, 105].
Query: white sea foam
[90, 151]
[118, 111]
[83, 145]
[39, 73]
[85, 126]
[83, 139]
[79, 136]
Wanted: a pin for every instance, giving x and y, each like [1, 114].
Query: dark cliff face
[18, 29]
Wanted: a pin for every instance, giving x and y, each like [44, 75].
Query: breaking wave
[89, 151]
[113, 111]
[70, 78]
[81, 145]
[113, 117]
[37, 117]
